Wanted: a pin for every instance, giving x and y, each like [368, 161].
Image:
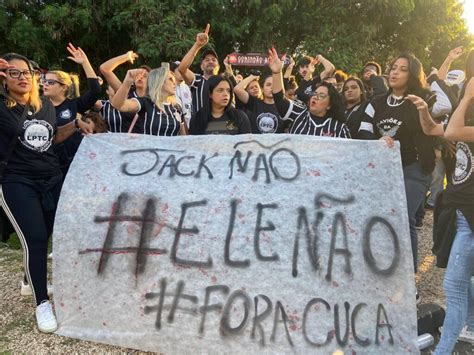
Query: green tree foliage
[348, 32]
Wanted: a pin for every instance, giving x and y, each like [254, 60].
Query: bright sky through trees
[469, 14]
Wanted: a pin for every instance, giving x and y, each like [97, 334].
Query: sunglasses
[50, 82]
[16, 74]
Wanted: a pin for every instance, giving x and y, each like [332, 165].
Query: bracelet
[76, 124]
[276, 72]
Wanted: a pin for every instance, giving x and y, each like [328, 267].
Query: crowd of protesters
[43, 118]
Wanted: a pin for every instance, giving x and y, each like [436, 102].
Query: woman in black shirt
[263, 114]
[217, 116]
[59, 88]
[31, 177]
[459, 320]
[402, 115]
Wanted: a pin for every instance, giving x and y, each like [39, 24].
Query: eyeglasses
[320, 96]
[16, 74]
[50, 82]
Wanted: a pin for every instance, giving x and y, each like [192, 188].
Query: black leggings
[30, 206]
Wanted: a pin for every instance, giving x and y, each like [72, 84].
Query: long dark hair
[201, 118]
[417, 84]
[337, 107]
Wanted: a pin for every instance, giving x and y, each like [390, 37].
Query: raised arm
[329, 68]
[229, 72]
[107, 68]
[78, 56]
[201, 40]
[457, 129]
[453, 54]
[120, 101]
[289, 69]
[429, 126]
[240, 91]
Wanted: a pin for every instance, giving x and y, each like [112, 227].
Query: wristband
[76, 124]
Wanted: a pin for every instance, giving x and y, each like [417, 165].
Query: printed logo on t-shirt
[267, 122]
[389, 127]
[463, 169]
[309, 90]
[66, 114]
[37, 135]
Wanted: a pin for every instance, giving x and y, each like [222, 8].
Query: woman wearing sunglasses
[324, 113]
[30, 174]
[60, 88]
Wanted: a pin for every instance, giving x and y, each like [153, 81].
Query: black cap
[174, 65]
[209, 51]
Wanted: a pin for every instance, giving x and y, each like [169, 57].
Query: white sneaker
[45, 318]
[25, 289]
[466, 335]
[50, 256]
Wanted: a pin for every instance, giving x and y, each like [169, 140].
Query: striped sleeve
[366, 129]
[342, 131]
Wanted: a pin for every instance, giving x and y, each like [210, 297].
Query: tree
[348, 32]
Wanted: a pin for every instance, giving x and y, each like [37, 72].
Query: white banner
[235, 244]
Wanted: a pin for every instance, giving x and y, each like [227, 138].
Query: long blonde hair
[70, 80]
[154, 87]
[34, 99]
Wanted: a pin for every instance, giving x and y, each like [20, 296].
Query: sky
[469, 14]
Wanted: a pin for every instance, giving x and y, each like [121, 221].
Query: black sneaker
[418, 298]
[419, 225]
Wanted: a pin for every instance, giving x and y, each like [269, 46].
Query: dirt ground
[18, 333]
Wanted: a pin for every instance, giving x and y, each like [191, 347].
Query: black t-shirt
[197, 91]
[264, 118]
[354, 118]
[226, 125]
[117, 122]
[232, 122]
[305, 123]
[460, 191]
[399, 119]
[154, 121]
[33, 156]
[66, 112]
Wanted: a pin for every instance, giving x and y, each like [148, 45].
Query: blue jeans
[416, 185]
[458, 287]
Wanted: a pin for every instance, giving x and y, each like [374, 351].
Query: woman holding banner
[402, 115]
[30, 173]
[217, 116]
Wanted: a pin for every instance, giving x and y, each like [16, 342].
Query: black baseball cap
[209, 51]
